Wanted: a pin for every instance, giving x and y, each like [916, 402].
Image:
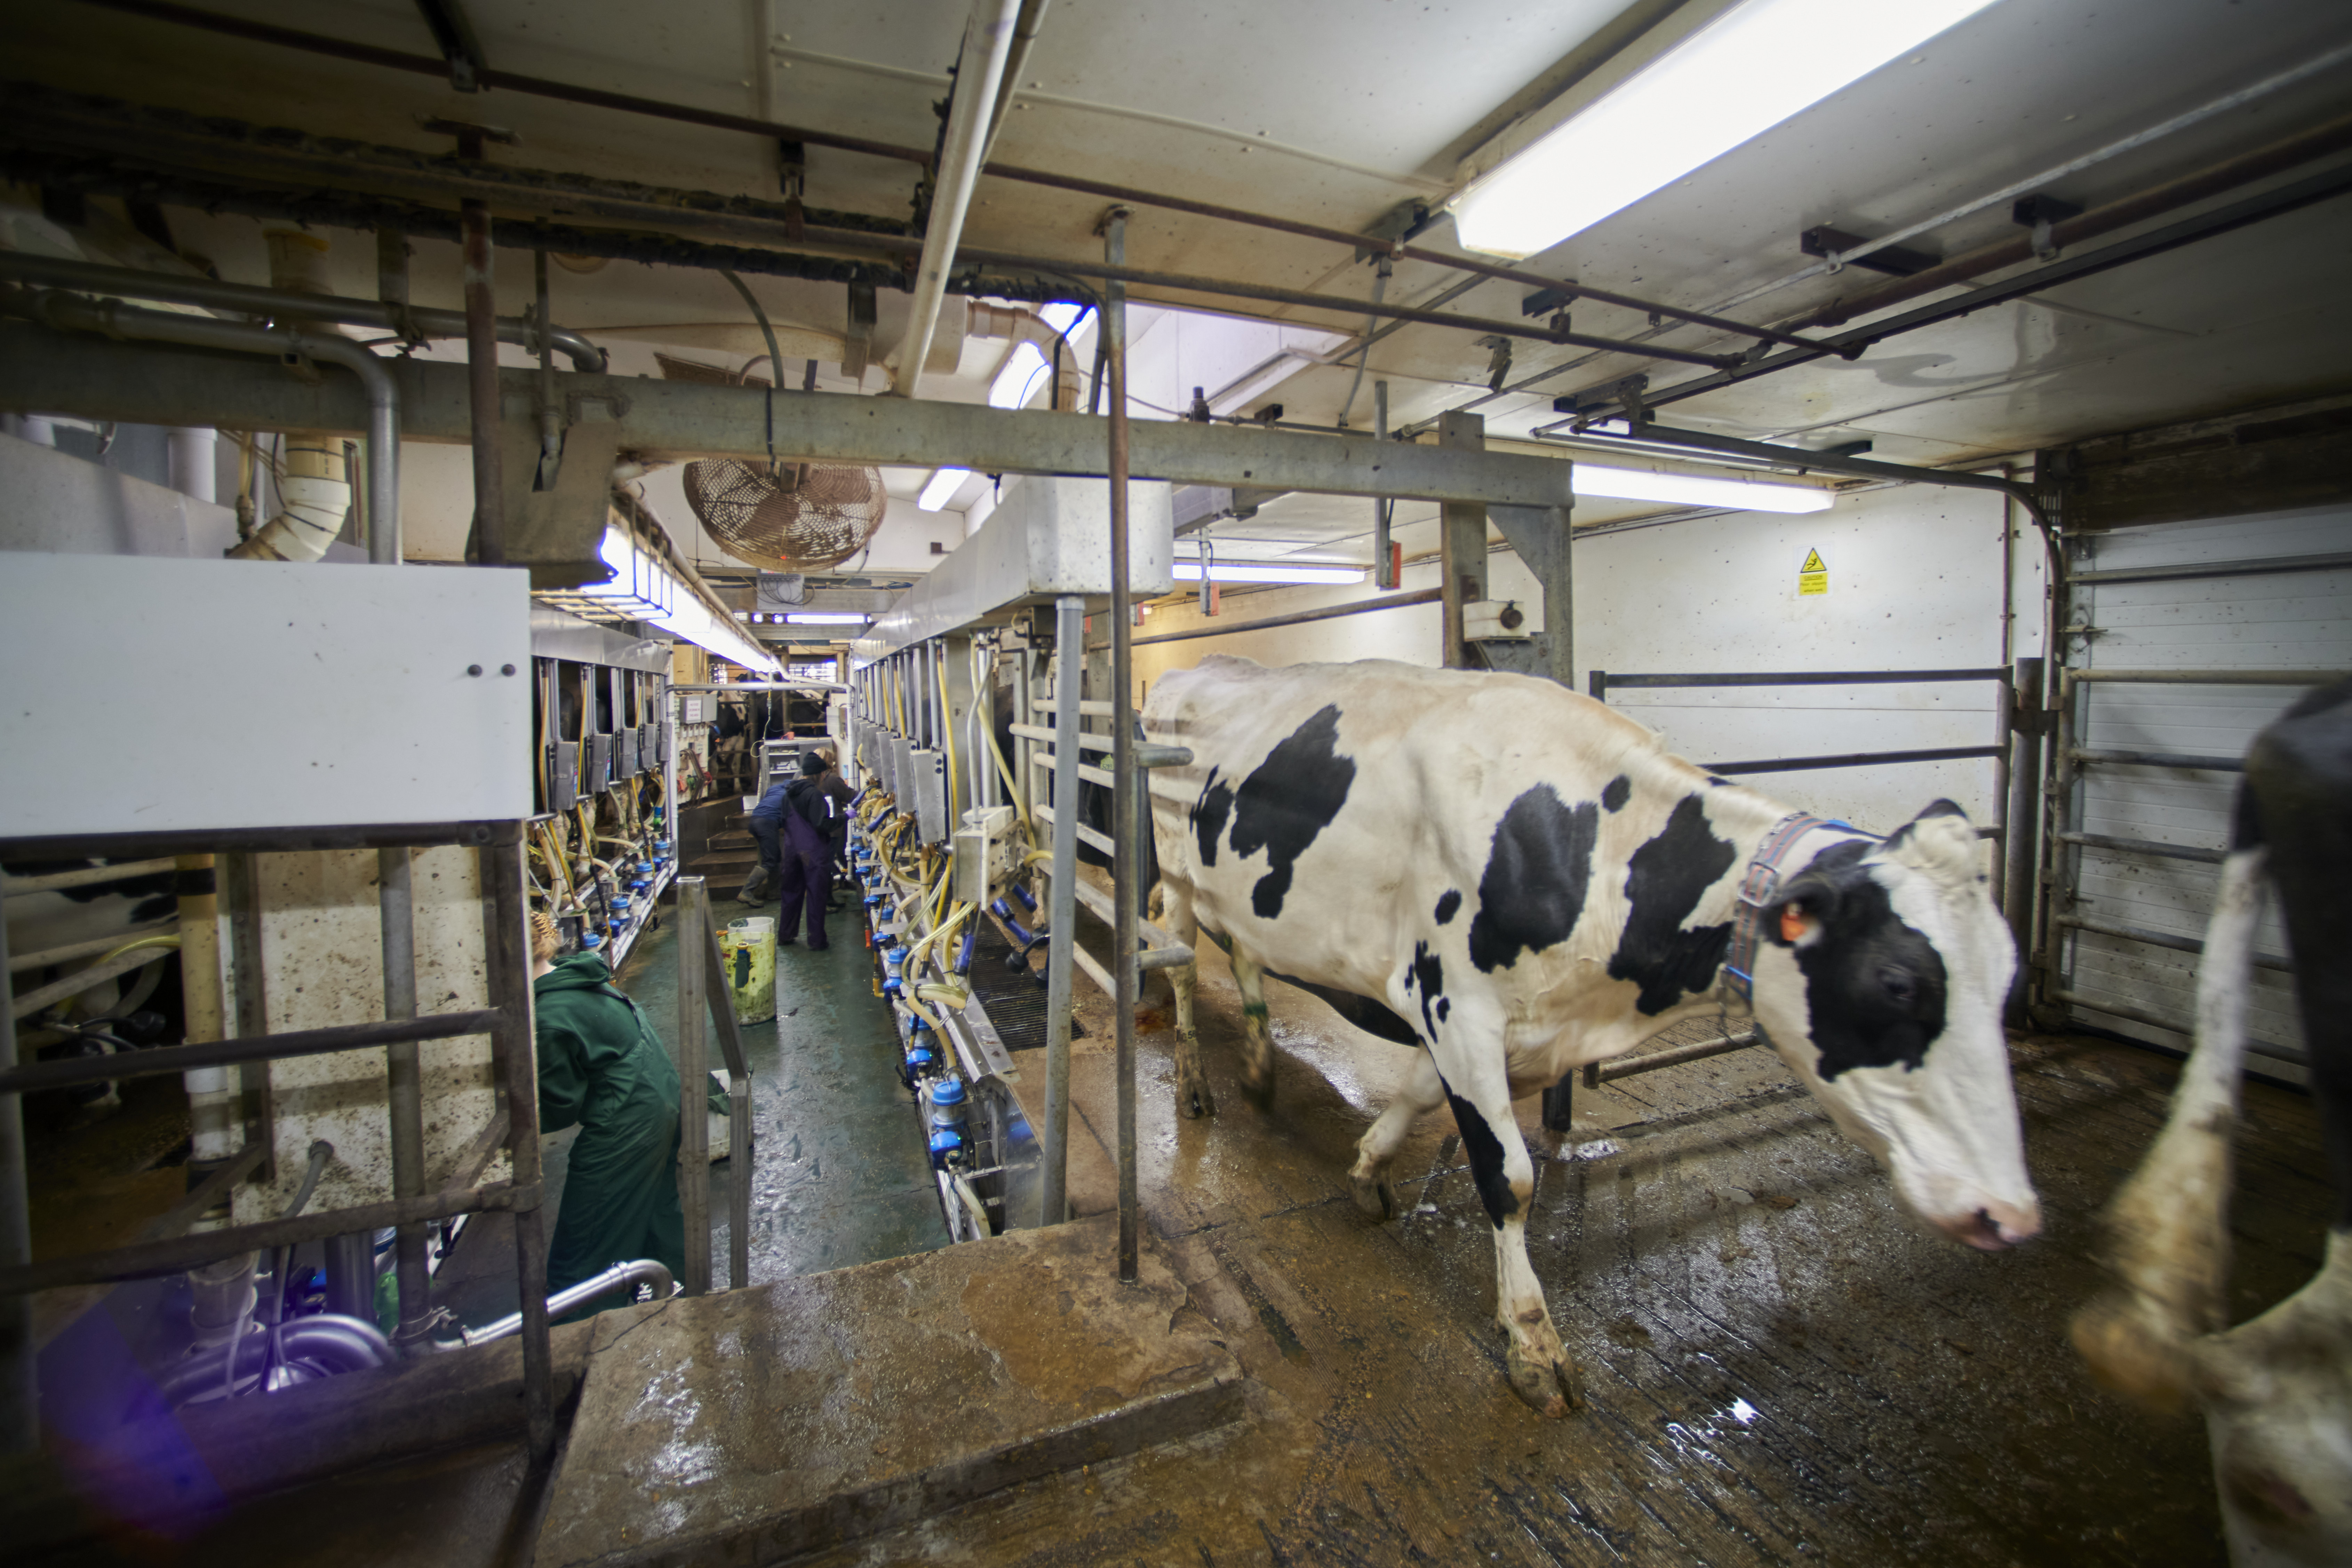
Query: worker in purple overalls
[816, 825]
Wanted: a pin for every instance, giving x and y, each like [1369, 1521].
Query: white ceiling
[1337, 112]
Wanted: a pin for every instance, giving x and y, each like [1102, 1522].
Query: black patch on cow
[1619, 790]
[1449, 906]
[1292, 796]
[1486, 1152]
[1663, 883]
[1427, 976]
[1216, 804]
[1533, 890]
[1874, 987]
[1717, 782]
[1373, 1017]
[1444, 1008]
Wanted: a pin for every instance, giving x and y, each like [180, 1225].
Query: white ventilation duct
[314, 486]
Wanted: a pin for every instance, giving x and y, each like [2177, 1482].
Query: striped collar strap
[1760, 889]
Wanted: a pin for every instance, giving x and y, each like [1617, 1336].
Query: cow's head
[1881, 980]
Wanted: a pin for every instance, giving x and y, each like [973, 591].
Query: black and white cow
[2277, 1390]
[1523, 881]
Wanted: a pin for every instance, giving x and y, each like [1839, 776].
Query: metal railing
[507, 1021]
[703, 989]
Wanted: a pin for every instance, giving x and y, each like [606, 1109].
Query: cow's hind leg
[1257, 1034]
[1193, 1095]
[1422, 1091]
[1541, 1371]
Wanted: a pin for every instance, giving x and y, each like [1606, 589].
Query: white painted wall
[1915, 582]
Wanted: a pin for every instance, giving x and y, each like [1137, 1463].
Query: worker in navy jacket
[815, 822]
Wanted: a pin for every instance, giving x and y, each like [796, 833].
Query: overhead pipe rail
[513, 1054]
[2065, 834]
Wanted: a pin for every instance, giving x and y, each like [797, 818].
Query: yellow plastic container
[749, 948]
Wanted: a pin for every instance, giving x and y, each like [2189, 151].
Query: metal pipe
[177, 1254]
[116, 320]
[392, 315]
[2023, 805]
[1852, 758]
[550, 417]
[1024, 39]
[2003, 723]
[1611, 679]
[1061, 905]
[693, 1075]
[987, 43]
[514, 1053]
[1300, 618]
[2167, 939]
[1384, 566]
[55, 882]
[1649, 436]
[347, 1340]
[19, 963]
[2156, 848]
[644, 1272]
[404, 1082]
[1675, 1056]
[2138, 759]
[482, 385]
[2072, 678]
[20, 1401]
[36, 1076]
[1126, 863]
[2205, 570]
[2172, 1025]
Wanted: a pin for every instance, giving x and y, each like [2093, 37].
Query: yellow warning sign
[1813, 576]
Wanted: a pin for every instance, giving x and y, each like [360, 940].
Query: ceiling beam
[46, 372]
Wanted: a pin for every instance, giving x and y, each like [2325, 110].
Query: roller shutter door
[2270, 592]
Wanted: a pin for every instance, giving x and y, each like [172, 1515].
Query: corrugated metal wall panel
[2247, 621]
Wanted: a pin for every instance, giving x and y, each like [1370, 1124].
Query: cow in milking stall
[2276, 1392]
[1521, 881]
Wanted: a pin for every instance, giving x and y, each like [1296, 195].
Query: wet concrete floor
[1778, 1366]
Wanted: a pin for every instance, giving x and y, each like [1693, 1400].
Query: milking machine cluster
[602, 847]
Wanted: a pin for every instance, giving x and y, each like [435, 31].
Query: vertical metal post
[20, 1394]
[2024, 805]
[1024, 714]
[1597, 685]
[1062, 903]
[1127, 868]
[693, 1080]
[1384, 572]
[1559, 598]
[514, 1052]
[396, 916]
[958, 705]
[1462, 537]
[250, 1001]
[2058, 814]
[551, 416]
[482, 383]
[2004, 709]
[392, 266]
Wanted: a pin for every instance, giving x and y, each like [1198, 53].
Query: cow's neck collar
[1783, 845]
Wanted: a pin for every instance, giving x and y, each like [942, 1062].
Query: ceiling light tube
[1189, 572]
[1693, 489]
[1760, 63]
[943, 484]
[826, 618]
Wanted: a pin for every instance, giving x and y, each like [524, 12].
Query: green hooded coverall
[601, 1065]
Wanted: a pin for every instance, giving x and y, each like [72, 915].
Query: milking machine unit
[602, 849]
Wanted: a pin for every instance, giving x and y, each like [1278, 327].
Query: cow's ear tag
[1794, 924]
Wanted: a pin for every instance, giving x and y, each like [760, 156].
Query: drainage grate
[1016, 1003]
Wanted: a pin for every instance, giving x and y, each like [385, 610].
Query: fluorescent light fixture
[826, 619]
[640, 590]
[1757, 65]
[692, 620]
[1018, 379]
[943, 485]
[1189, 572]
[1737, 495]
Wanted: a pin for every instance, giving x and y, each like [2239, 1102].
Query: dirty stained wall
[321, 966]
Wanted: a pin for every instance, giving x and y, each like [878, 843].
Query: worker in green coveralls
[602, 1067]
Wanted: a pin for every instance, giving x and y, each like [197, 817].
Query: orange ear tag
[1793, 924]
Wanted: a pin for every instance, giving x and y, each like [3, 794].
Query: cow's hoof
[1550, 1388]
[1376, 1196]
[1194, 1098]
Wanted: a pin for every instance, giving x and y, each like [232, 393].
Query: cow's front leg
[1541, 1371]
[1258, 1036]
[1193, 1095]
[1422, 1091]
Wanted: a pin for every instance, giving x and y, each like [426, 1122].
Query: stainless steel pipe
[1061, 904]
[1126, 866]
[644, 1272]
[396, 916]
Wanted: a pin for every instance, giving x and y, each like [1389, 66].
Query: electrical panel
[649, 747]
[563, 775]
[902, 770]
[983, 853]
[596, 775]
[656, 747]
[930, 784]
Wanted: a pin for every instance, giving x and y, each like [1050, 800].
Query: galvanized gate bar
[739, 1109]
[693, 915]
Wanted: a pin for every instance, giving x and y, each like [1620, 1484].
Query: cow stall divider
[2017, 725]
[508, 1021]
[2068, 839]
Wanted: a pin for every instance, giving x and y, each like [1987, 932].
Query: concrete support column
[1462, 534]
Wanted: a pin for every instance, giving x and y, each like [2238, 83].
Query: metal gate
[2182, 641]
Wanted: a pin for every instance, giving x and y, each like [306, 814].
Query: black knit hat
[811, 765]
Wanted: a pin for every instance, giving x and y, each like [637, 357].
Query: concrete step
[757, 1425]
